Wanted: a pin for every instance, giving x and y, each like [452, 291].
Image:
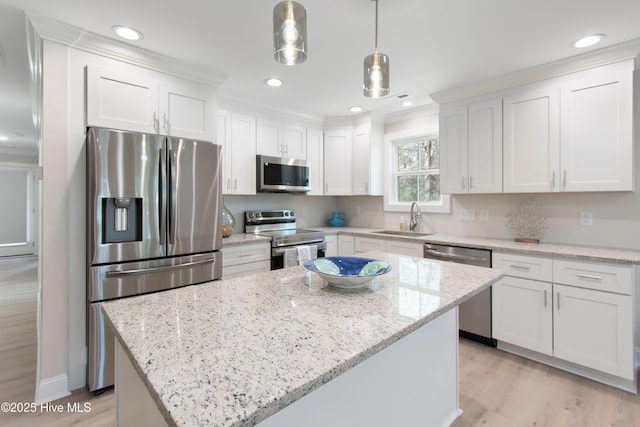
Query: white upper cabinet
[149, 102]
[532, 141]
[454, 149]
[596, 133]
[337, 161]
[315, 156]
[366, 172]
[237, 135]
[275, 138]
[485, 146]
[471, 147]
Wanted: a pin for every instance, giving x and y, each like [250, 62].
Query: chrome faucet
[415, 217]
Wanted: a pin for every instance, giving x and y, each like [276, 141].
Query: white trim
[596, 58]
[51, 389]
[79, 38]
[389, 201]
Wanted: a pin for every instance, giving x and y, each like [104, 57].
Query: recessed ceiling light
[127, 32]
[3, 138]
[587, 41]
[407, 104]
[355, 109]
[273, 82]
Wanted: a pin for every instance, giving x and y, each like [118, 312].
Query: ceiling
[433, 45]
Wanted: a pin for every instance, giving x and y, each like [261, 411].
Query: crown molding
[596, 58]
[78, 38]
[251, 106]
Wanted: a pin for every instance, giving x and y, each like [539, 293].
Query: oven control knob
[258, 214]
[291, 213]
[286, 213]
[250, 215]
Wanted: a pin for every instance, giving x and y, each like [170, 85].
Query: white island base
[411, 383]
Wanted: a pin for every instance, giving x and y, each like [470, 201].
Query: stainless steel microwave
[282, 175]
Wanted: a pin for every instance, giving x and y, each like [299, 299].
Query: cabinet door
[295, 142]
[332, 245]
[337, 161]
[223, 137]
[596, 133]
[360, 172]
[485, 147]
[346, 245]
[186, 109]
[454, 149]
[243, 154]
[270, 138]
[594, 329]
[522, 313]
[404, 248]
[122, 100]
[532, 141]
[315, 155]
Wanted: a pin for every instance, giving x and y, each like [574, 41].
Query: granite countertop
[233, 352]
[242, 239]
[577, 252]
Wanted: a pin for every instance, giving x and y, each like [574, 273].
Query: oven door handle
[281, 250]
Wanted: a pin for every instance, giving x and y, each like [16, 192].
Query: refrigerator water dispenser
[121, 219]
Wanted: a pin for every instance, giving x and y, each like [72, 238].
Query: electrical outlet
[586, 218]
[467, 215]
[484, 215]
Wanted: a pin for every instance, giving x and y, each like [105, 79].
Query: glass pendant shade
[376, 75]
[289, 33]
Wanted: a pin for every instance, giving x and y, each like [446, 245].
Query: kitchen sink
[402, 233]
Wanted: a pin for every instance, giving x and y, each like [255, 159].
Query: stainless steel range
[280, 226]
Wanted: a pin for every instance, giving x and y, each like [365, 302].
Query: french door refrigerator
[154, 209]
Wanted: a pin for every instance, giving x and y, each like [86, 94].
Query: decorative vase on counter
[337, 219]
[228, 221]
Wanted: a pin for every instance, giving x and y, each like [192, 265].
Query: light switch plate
[586, 218]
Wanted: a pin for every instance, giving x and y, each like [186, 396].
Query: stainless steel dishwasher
[474, 315]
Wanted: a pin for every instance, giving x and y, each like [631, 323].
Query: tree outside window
[417, 170]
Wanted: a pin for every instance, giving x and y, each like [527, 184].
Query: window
[416, 170]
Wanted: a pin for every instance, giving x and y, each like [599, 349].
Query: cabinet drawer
[239, 270]
[598, 276]
[367, 245]
[242, 254]
[527, 267]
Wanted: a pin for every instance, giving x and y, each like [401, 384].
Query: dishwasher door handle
[446, 257]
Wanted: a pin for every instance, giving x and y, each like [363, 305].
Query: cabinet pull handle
[366, 187]
[464, 182]
[553, 180]
[235, 184]
[558, 299]
[519, 267]
[589, 277]
[228, 184]
[326, 187]
[166, 125]
[156, 122]
[470, 182]
[564, 180]
[545, 298]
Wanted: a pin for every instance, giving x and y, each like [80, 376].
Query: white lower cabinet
[364, 244]
[346, 245]
[577, 312]
[332, 245]
[240, 260]
[523, 314]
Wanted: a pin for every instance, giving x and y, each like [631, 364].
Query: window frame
[391, 203]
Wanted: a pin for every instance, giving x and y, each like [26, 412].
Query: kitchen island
[285, 348]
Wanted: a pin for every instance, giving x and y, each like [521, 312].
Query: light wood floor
[497, 389]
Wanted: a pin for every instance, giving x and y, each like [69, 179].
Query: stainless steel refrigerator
[154, 209]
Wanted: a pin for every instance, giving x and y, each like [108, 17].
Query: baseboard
[51, 389]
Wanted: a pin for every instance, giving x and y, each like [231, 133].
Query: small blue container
[337, 219]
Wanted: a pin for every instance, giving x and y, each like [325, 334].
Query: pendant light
[376, 70]
[289, 33]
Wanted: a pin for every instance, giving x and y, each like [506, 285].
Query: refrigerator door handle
[158, 269]
[171, 190]
[162, 202]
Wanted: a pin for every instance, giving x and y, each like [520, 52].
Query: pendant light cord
[376, 25]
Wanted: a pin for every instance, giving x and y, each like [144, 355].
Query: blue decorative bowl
[347, 272]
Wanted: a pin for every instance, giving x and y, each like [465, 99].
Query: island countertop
[234, 352]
